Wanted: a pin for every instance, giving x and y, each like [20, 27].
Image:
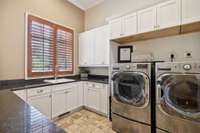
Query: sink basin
[54, 81]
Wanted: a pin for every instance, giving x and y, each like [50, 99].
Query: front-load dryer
[178, 97]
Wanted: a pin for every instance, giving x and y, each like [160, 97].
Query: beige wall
[162, 48]
[12, 28]
[96, 16]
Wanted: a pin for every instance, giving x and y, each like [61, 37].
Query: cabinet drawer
[39, 91]
[64, 86]
[94, 85]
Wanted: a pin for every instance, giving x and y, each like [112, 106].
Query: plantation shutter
[41, 47]
[64, 47]
[50, 48]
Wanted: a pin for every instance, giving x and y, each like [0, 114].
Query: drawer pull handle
[40, 91]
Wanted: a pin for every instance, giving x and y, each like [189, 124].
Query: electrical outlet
[188, 54]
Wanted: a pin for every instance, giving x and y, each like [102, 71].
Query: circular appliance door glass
[129, 88]
[182, 93]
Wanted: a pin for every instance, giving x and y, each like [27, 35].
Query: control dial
[128, 67]
[187, 67]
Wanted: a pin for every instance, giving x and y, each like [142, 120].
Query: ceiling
[85, 4]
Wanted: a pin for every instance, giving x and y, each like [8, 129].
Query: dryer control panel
[183, 67]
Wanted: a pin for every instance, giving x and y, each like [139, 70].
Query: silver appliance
[131, 109]
[178, 97]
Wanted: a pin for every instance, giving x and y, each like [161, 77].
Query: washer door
[131, 87]
[181, 93]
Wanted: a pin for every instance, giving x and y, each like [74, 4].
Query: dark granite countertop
[19, 117]
[16, 116]
[28, 84]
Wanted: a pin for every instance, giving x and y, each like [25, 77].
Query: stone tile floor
[85, 122]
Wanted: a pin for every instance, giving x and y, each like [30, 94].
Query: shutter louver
[64, 51]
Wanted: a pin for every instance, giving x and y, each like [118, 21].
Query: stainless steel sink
[62, 80]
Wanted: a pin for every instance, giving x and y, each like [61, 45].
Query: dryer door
[181, 93]
[131, 87]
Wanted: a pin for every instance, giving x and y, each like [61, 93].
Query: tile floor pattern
[85, 122]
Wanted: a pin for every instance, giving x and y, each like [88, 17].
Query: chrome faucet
[56, 70]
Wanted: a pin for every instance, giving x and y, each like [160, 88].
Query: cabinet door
[104, 99]
[101, 45]
[21, 94]
[72, 98]
[42, 103]
[86, 41]
[59, 103]
[93, 98]
[80, 94]
[115, 28]
[190, 11]
[130, 24]
[168, 14]
[147, 20]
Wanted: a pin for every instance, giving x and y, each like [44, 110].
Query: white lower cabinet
[65, 98]
[59, 103]
[80, 92]
[93, 98]
[72, 98]
[104, 96]
[42, 103]
[96, 97]
[56, 100]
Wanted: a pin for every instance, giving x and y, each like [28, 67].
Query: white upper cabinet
[130, 24]
[168, 14]
[92, 44]
[101, 44]
[123, 26]
[190, 11]
[147, 20]
[86, 41]
[116, 28]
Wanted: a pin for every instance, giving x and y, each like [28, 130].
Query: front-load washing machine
[131, 104]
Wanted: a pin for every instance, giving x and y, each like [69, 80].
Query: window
[50, 48]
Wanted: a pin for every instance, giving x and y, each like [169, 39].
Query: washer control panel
[191, 67]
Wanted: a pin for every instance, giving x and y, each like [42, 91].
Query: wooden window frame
[55, 26]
